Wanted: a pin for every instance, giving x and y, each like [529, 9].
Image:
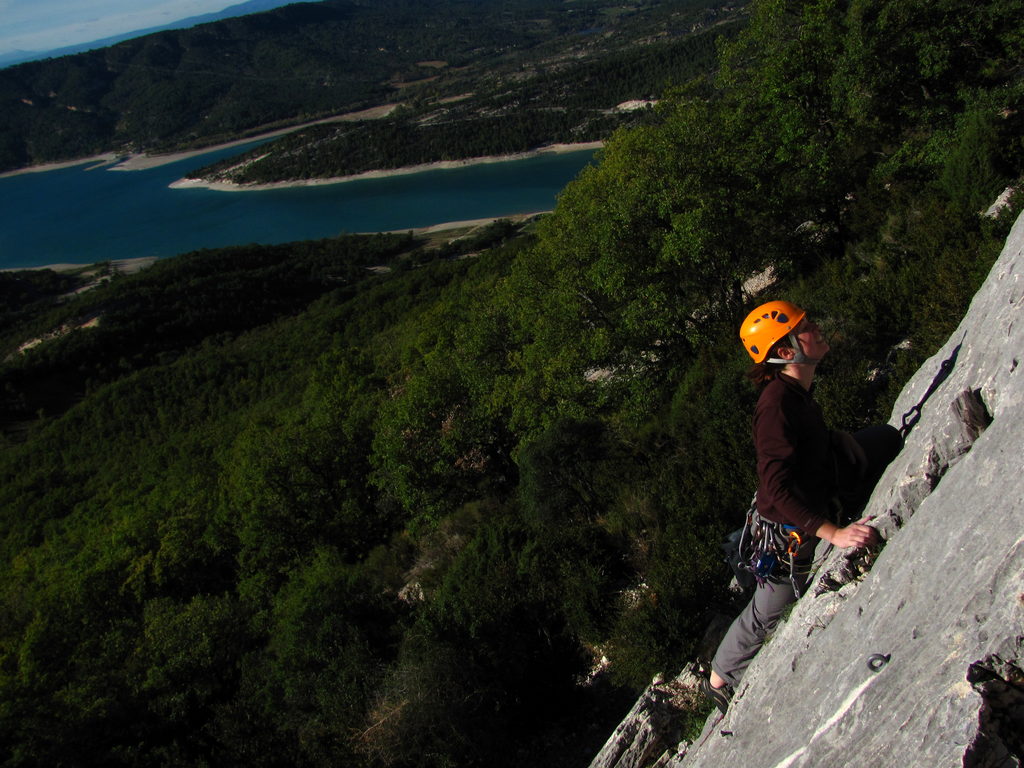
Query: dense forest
[385, 501]
[218, 81]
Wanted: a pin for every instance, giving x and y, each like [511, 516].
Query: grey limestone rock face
[939, 612]
[647, 736]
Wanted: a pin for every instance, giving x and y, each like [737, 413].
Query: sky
[43, 25]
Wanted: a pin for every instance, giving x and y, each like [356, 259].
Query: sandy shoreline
[444, 226]
[97, 160]
[229, 186]
[131, 266]
[120, 266]
[144, 161]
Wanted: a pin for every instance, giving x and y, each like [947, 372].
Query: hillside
[292, 65]
[394, 501]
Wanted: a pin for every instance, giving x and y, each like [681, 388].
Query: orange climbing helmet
[766, 325]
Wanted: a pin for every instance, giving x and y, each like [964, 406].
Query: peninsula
[224, 184]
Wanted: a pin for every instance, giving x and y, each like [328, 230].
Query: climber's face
[812, 341]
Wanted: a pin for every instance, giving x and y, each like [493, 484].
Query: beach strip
[118, 266]
[230, 186]
[131, 266]
[143, 161]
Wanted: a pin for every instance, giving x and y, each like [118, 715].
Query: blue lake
[81, 215]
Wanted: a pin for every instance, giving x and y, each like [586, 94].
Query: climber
[805, 471]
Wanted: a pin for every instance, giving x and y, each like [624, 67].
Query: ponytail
[761, 373]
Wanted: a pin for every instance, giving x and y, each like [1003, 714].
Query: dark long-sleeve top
[795, 470]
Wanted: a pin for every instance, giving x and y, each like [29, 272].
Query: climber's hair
[761, 373]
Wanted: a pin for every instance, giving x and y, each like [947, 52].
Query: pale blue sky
[43, 25]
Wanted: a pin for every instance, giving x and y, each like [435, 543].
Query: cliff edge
[914, 656]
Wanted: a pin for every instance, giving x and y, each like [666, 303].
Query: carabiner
[795, 542]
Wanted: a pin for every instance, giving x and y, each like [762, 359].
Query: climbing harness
[768, 550]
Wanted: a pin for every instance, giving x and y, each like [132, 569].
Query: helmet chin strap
[799, 358]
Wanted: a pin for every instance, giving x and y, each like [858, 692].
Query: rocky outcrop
[913, 655]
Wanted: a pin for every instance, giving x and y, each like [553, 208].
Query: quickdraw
[913, 415]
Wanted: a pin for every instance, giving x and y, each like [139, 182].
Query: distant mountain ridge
[231, 78]
[239, 9]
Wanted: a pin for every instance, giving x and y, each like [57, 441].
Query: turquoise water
[82, 215]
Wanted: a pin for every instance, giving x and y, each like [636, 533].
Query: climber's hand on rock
[853, 535]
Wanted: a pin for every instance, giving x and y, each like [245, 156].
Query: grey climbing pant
[749, 630]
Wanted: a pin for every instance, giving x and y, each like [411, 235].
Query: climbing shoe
[720, 697]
